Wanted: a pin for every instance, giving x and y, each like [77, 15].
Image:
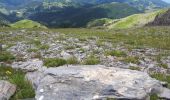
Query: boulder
[96, 82]
[29, 66]
[6, 90]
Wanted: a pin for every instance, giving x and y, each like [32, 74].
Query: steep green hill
[27, 24]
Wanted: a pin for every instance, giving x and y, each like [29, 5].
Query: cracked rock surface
[96, 82]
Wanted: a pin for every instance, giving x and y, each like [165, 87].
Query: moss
[54, 62]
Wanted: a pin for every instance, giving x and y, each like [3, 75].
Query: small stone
[6, 90]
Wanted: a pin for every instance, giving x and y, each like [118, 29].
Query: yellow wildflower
[8, 72]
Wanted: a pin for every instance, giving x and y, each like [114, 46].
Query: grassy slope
[136, 20]
[27, 24]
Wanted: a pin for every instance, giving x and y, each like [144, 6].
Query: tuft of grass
[72, 60]
[163, 65]
[135, 68]
[116, 53]
[154, 97]
[54, 62]
[6, 56]
[161, 77]
[32, 50]
[91, 60]
[44, 47]
[17, 77]
[131, 59]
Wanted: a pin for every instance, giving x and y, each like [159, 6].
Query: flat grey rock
[29, 66]
[6, 90]
[96, 82]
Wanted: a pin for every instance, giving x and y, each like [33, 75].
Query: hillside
[27, 24]
[132, 21]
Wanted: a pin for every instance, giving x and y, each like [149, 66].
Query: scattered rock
[6, 90]
[165, 94]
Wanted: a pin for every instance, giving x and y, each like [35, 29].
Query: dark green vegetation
[17, 77]
[79, 17]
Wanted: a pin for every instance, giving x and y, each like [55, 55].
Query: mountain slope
[141, 4]
[79, 17]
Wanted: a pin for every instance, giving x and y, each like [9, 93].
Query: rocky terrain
[87, 64]
[162, 19]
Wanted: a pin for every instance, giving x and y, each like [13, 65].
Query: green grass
[17, 77]
[135, 68]
[54, 62]
[161, 77]
[154, 97]
[72, 60]
[27, 24]
[98, 22]
[131, 59]
[116, 53]
[163, 65]
[91, 60]
[44, 47]
[6, 56]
